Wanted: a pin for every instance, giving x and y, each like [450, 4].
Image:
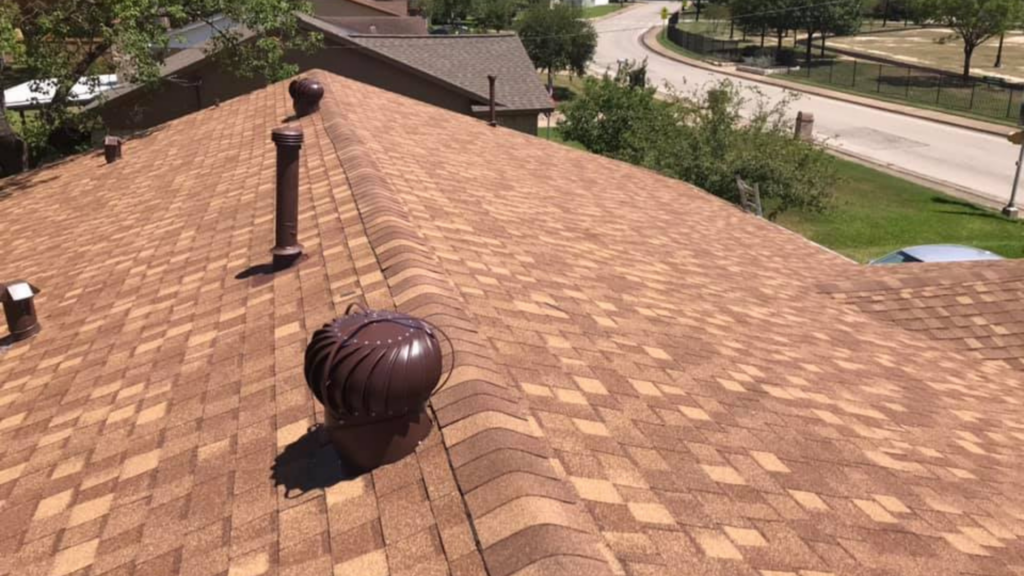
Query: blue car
[936, 253]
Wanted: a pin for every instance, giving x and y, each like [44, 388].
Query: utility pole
[1010, 210]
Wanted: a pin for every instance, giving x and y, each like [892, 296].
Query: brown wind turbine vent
[287, 249]
[494, 118]
[306, 94]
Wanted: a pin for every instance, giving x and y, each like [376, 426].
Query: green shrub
[704, 139]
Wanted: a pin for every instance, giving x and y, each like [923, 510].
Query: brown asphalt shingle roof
[648, 381]
[382, 24]
[466, 60]
[976, 307]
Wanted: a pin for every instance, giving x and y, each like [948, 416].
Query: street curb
[636, 4]
[649, 41]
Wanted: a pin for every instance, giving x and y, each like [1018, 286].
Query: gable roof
[384, 7]
[174, 67]
[465, 61]
[382, 25]
[459, 62]
[976, 307]
[645, 383]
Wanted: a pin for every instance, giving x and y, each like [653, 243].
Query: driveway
[980, 163]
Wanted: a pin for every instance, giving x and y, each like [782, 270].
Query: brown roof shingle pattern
[639, 388]
[977, 307]
[379, 25]
[466, 60]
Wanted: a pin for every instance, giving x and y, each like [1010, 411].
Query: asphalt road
[981, 163]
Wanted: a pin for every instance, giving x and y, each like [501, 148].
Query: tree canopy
[557, 38]
[837, 18]
[496, 14]
[974, 21]
[65, 40]
[448, 11]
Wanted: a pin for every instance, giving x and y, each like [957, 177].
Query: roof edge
[342, 36]
[478, 409]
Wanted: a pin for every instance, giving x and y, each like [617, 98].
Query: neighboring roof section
[973, 306]
[406, 25]
[337, 8]
[174, 66]
[466, 60]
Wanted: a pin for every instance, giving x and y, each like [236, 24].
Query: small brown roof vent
[491, 78]
[20, 309]
[306, 94]
[112, 148]
[374, 372]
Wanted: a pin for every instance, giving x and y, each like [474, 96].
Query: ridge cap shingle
[478, 409]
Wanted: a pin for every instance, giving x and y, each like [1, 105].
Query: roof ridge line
[491, 415]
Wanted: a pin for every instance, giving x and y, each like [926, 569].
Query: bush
[703, 139]
[67, 135]
[615, 118]
[787, 57]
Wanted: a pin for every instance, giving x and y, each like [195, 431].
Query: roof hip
[524, 513]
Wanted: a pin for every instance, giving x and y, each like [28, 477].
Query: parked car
[936, 253]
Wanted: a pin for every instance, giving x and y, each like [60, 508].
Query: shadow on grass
[976, 214]
[563, 94]
[968, 209]
[955, 202]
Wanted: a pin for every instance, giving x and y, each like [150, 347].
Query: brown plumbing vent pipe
[287, 249]
[112, 148]
[494, 118]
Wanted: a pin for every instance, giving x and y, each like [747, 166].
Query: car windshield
[898, 257]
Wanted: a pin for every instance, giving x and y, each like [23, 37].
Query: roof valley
[509, 488]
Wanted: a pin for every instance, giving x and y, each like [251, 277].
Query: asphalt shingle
[647, 380]
[466, 60]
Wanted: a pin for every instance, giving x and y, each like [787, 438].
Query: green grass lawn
[877, 213]
[597, 11]
[917, 89]
[938, 47]
[566, 87]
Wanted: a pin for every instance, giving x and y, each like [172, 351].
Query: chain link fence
[989, 98]
[704, 45]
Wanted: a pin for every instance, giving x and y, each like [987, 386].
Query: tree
[703, 139]
[835, 18]
[65, 40]
[760, 16]
[10, 43]
[446, 11]
[495, 14]
[557, 38]
[974, 21]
